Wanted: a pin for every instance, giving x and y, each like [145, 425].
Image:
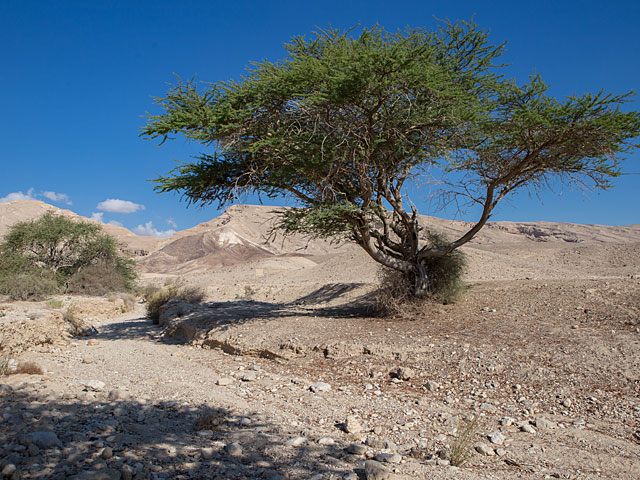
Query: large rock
[376, 471]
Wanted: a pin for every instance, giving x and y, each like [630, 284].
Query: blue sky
[76, 79]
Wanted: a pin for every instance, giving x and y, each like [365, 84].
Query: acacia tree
[344, 123]
[58, 249]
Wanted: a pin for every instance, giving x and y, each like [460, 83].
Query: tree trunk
[420, 281]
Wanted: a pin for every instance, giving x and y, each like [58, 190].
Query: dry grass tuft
[208, 421]
[30, 368]
[156, 297]
[461, 447]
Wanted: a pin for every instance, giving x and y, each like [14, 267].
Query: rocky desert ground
[283, 372]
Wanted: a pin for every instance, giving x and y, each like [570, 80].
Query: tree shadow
[155, 439]
[226, 315]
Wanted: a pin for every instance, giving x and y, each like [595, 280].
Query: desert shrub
[128, 301]
[395, 296]
[56, 253]
[54, 303]
[33, 286]
[156, 297]
[461, 447]
[30, 368]
[208, 421]
[98, 279]
[78, 326]
[4, 366]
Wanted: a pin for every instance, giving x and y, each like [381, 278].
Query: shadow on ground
[46, 436]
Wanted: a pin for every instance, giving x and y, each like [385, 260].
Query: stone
[250, 376]
[496, 438]
[351, 476]
[389, 457]
[404, 373]
[9, 470]
[544, 423]
[376, 471]
[126, 472]
[352, 424]
[95, 385]
[107, 453]
[207, 453]
[295, 442]
[356, 449]
[375, 443]
[326, 441]
[224, 381]
[507, 421]
[488, 407]
[320, 387]
[484, 449]
[116, 395]
[101, 474]
[234, 449]
[42, 439]
[567, 403]
[432, 386]
[528, 428]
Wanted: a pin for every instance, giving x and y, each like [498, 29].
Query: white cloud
[98, 217]
[171, 222]
[57, 197]
[115, 205]
[18, 196]
[150, 230]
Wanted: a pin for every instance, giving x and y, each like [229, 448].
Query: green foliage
[345, 122]
[155, 297]
[54, 253]
[32, 286]
[55, 303]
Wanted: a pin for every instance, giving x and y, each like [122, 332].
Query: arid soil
[284, 372]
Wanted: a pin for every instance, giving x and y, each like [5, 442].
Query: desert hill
[26, 210]
[238, 246]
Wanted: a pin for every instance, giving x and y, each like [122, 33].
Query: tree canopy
[344, 123]
[54, 250]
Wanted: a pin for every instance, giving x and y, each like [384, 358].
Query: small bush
[4, 367]
[30, 368]
[29, 286]
[461, 447]
[98, 280]
[156, 297]
[395, 296]
[208, 421]
[79, 328]
[128, 301]
[54, 303]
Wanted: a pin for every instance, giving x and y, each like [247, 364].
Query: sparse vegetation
[55, 303]
[461, 447]
[4, 366]
[29, 368]
[54, 253]
[248, 294]
[394, 296]
[208, 421]
[155, 297]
